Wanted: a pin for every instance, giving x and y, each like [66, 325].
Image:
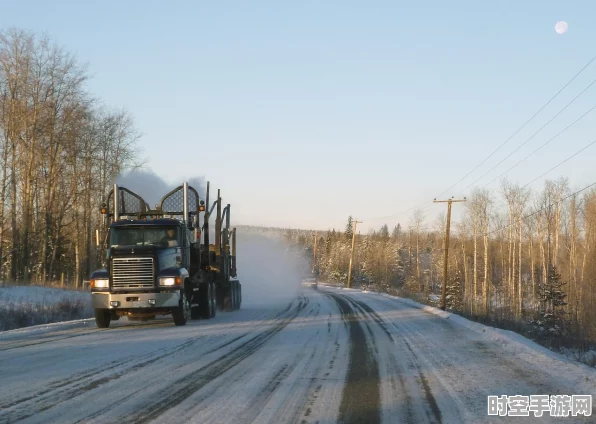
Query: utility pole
[314, 258]
[446, 258]
[352, 254]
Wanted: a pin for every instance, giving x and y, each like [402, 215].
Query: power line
[395, 215]
[497, 149]
[502, 203]
[534, 135]
[562, 162]
[543, 145]
[537, 178]
[523, 126]
[541, 209]
[551, 169]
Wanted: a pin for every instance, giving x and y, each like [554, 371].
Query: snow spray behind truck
[160, 262]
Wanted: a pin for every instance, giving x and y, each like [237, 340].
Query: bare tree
[417, 226]
[59, 154]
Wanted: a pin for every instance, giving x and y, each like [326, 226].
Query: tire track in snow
[26, 343]
[16, 344]
[59, 391]
[64, 390]
[432, 403]
[249, 415]
[251, 393]
[189, 384]
[466, 363]
[141, 388]
[314, 392]
[361, 399]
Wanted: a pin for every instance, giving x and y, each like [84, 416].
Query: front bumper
[135, 301]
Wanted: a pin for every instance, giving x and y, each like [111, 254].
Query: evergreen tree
[396, 234]
[384, 233]
[553, 301]
[366, 276]
[349, 228]
[454, 293]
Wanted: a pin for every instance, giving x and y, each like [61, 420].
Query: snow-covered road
[327, 356]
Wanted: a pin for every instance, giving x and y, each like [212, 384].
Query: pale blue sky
[304, 112]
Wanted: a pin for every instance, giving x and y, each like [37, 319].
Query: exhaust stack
[185, 197]
[116, 205]
[233, 273]
[218, 225]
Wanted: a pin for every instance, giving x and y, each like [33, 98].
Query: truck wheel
[239, 295]
[232, 296]
[195, 311]
[182, 313]
[213, 301]
[206, 301]
[228, 297]
[236, 296]
[103, 318]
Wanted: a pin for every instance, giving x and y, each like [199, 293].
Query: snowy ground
[326, 356]
[23, 306]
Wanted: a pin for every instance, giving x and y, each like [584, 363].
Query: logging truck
[160, 261]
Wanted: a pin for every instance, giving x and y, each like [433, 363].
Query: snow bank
[25, 306]
[35, 294]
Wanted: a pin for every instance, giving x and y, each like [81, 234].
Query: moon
[561, 27]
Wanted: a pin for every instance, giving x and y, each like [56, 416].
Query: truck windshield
[141, 236]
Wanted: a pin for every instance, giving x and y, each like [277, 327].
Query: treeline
[59, 152]
[518, 259]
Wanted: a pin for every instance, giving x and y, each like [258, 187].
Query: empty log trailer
[160, 261]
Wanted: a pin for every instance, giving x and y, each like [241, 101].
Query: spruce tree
[396, 233]
[349, 228]
[384, 233]
[553, 297]
[454, 293]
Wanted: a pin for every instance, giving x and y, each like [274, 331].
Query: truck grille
[132, 273]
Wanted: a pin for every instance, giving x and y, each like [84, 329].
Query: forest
[60, 149]
[518, 259]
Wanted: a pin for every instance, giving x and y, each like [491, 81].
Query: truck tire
[239, 295]
[213, 300]
[103, 318]
[206, 301]
[195, 311]
[182, 313]
[236, 295]
[228, 297]
[232, 296]
[235, 298]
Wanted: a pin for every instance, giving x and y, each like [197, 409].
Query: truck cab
[148, 267]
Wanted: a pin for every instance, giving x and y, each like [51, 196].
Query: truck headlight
[100, 283]
[170, 281]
